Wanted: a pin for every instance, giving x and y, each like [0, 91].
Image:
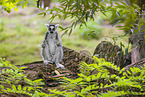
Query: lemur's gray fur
[52, 51]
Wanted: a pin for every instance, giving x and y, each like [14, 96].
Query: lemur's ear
[47, 25]
[56, 26]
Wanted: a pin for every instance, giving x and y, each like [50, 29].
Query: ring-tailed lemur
[52, 51]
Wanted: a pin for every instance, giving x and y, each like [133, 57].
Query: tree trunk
[138, 39]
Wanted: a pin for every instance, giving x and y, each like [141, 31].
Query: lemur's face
[51, 28]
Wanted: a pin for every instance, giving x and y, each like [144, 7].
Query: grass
[22, 34]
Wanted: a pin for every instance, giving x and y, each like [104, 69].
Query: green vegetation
[7, 5]
[11, 78]
[82, 11]
[94, 80]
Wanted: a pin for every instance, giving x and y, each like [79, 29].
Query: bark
[138, 47]
[71, 61]
[112, 53]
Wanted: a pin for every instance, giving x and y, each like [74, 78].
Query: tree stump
[71, 61]
[112, 53]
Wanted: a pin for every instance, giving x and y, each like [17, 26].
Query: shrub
[12, 78]
[102, 79]
[99, 80]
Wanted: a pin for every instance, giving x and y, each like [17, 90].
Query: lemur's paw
[60, 65]
[46, 62]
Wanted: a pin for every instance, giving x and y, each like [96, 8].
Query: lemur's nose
[51, 32]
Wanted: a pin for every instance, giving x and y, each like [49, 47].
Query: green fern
[96, 80]
[10, 81]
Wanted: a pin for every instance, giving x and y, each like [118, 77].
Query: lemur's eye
[49, 28]
[53, 29]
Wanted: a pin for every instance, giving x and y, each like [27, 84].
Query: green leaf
[19, 88]
[77, 80]
[64, 33]
[79, 93]
[37, 80]
[118, 14]
[82, 75]
[25, 88]
[30, 82]
[129, 72]
[41, 13]
[93, 77]
[22, 68]
[88, 79]
[8, 81]
[116, 23]
[113, 76]
[9, 90]
[61, 27]
[16, 9]
[126, 51]
[70, 31]
[98, 75]
[14, 87]
[101, 85]
[1, 86]
[30, 88]
[36, 94]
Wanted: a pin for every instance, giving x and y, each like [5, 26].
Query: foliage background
[22, 32]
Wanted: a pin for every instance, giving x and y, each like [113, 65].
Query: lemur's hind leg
[58, 57]
[46, 55]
